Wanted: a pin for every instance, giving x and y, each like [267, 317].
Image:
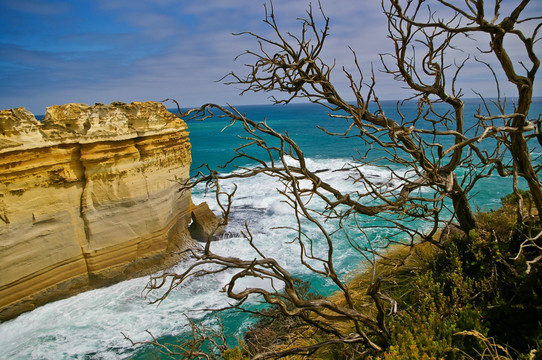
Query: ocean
[92, 325]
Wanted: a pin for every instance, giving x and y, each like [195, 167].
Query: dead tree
[434, 159]
[471, 19]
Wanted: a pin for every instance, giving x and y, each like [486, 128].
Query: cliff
[88, 197]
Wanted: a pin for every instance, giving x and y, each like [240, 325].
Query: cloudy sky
[60, 51]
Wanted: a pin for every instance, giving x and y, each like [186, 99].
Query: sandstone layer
[88, 196]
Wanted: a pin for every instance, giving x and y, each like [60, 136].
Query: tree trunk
[463, 212]
[520, 149]
[521, 155]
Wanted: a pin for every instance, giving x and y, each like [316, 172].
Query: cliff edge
[89, 196]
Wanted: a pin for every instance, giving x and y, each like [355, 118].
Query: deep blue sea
[91, 325]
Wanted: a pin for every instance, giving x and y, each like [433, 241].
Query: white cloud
[136, 50]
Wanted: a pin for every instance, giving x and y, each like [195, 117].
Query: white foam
[92, 323]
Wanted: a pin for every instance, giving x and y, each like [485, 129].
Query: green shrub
[472, 285]
[471, 298]
[432, 315]
[513, 198]
[236, 353]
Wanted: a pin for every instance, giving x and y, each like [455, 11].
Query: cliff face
[88, 197]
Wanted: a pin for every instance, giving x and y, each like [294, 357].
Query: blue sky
[60, 51]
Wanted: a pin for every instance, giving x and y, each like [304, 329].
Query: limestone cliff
[89, 196]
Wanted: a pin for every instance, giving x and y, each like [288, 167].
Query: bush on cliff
[472, 297]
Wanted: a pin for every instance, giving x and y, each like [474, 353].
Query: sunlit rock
[88, 197]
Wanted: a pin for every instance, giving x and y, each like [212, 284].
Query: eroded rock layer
[88, 197]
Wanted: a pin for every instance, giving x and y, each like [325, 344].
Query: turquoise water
[213, 142]
[90, 325]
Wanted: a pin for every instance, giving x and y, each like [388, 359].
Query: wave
[90, 325]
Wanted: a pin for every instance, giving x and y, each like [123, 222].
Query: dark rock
[205, 224]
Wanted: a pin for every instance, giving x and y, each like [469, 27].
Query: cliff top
[81, 123]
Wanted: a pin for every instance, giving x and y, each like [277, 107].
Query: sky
[90, 51]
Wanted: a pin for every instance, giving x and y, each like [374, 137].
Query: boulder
[205, 224]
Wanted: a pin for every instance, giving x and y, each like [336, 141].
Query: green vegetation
[472, 297]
